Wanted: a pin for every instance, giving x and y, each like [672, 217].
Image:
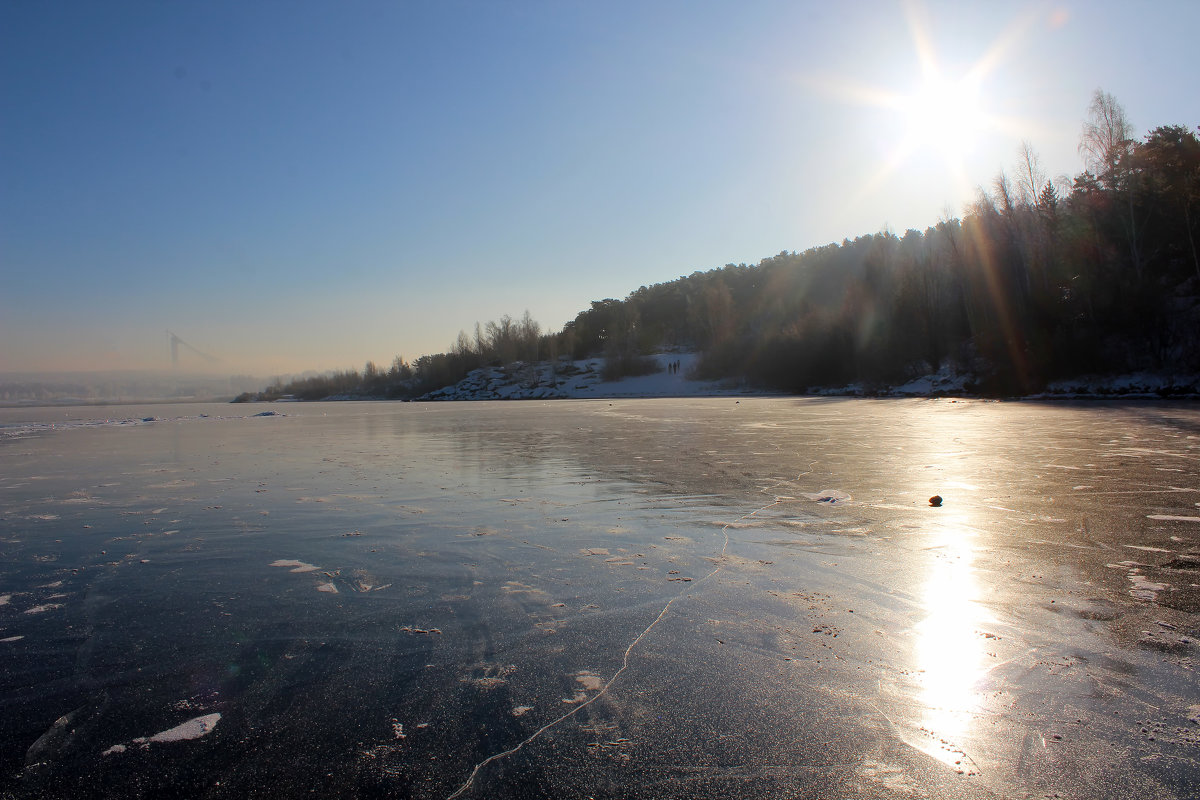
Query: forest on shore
[1040, 280]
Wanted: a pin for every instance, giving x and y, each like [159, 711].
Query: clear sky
[309, 185]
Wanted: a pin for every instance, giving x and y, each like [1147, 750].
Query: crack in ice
[628, 650]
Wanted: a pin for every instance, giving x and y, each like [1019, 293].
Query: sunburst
[939, 122]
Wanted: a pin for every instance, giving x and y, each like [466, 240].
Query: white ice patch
[43, 608]
[1144, 588]
[1172, 518]
[327, 587]
[4, 598]
[299, 566]
[590, 680]
[192, 729]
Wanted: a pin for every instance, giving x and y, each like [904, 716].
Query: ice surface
[623, 597]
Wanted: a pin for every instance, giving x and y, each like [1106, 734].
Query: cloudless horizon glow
[305, 186]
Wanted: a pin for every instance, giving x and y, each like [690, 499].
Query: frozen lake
[637, 598]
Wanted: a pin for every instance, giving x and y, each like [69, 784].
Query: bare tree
[1106, 140]
[1004, 193]
[463, 348]
[1064, 185]
[529, 332]
[1106, 136]
[1031, 178]
[480, 343]
[502, 339]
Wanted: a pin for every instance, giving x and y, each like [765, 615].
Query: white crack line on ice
[628, 650]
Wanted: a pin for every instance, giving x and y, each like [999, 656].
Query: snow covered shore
[1141, 384]
[584, 379]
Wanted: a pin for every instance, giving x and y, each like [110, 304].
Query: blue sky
[303, 185]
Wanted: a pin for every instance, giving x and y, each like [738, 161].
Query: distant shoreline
[746, 394]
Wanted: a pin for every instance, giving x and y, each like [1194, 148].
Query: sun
[945, 117]
[936, 124]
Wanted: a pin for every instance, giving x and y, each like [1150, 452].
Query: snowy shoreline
[583, 379]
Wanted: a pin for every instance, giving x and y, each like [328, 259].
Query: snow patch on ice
[192, 729]
[43, 608]
[1144, 588]
[298, 566]
[590, 680]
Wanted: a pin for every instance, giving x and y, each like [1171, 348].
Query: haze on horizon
[299, 186]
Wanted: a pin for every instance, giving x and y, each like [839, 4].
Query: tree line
[1039, 280]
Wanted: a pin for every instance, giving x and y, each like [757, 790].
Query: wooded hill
[1040, 280]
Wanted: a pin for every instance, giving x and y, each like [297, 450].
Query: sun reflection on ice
[950, 648]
